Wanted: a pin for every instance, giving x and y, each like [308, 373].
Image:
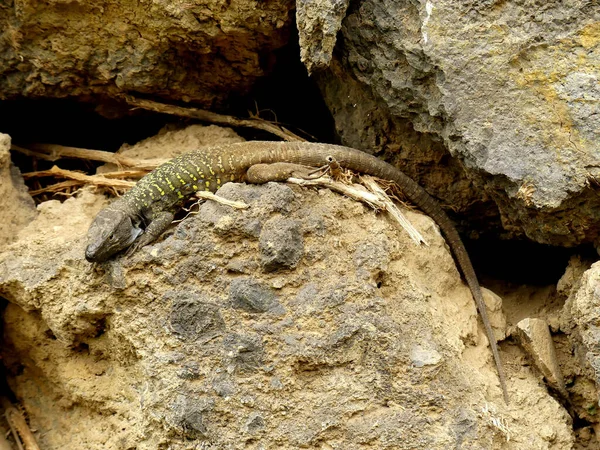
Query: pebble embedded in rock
[534, 336]
[281, 244]
[253, 296]
[421, 356]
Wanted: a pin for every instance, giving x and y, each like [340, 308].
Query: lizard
[142, 214]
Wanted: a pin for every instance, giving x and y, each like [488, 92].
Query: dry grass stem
[52, 152]
[19, 428]
[96, 180]
[211, 117]
[393, 210]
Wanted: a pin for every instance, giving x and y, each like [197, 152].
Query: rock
[511, 90]
[193, 317]
[318, 23]
[253, 296]
[243, 352]
[569, 282]
[579, 322]
[168, 359]
[493, 303]
[534, 337]
[421, 356]
[188, 52]
[266, 200]
[18, 208]
[188, 415]
[281, 244]
[255, 423]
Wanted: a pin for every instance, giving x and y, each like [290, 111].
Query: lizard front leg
[154, 229]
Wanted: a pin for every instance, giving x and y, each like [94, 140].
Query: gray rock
[265, 200]
[422, 356]
[189, 371]
[188, 414]
[511, 90]
[243, 352]
[281, 244]
[157, 50]
[253, 296]
[192, 318]
[255, 423]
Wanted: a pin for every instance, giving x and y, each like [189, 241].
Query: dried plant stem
[52, 152]
[376, 199]
[97, 180]
[18, 426]
[219, 119]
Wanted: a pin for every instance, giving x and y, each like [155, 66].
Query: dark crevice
[289, 96]
[521, 261]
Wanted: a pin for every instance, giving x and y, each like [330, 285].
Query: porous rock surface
[337, 332]
[196, 50]
[511, 89]
[580, 322]
[16, 204]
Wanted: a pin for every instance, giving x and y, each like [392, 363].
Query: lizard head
[110, 232]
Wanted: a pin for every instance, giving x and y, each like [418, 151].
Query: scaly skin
[143, 213]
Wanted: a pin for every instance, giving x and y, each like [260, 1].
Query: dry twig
[96, 180]
[219, 119]
[204, 195]
[52, 152]
[18, 426]
[58, 188]
[391, 208]
[376, 199]
[210, 196]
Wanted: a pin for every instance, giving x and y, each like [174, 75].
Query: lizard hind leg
[281, 171]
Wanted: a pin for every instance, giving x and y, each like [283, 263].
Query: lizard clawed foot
[333, 168]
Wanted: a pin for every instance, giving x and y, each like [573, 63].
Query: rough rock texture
[580, 321]
[512, 90]
[318, 23]
[199, 51]
[535, 338]
[305, 321]
[16, 205]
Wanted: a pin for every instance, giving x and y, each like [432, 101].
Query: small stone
[276, 383]
[255, 423]
[243, 351]
[534, 336]
[421, 356]
[281, 244]
[191, 318]
[189, 371]
[188, 415]
[547, 433]
[252, 296]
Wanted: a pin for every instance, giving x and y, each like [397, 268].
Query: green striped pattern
[180, 177]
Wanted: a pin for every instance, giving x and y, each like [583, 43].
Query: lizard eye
[111, 237]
